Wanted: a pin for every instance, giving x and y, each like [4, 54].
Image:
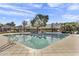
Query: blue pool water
[37, 41]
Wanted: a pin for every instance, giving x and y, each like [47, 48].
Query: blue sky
[57, 12]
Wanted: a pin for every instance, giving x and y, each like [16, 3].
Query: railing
[6, 46]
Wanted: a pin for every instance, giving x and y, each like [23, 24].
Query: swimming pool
[37, 41]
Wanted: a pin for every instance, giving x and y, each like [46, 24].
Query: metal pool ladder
[6, 46]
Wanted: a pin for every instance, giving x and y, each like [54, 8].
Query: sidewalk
[67, 47]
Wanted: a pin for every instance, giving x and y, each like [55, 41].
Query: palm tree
[13, 25]
[1, 27]
[39, 20]
[24, 24]
[52, 25]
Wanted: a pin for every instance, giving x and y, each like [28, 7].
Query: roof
[6, 26]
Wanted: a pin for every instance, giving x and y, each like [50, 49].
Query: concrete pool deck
[69, 46]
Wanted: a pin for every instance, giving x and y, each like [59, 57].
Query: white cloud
[54, 4]
[5, 20]
[28, 20]
[11, 13]
[36, 5]
[69, 17]
[17, 11]
[73, 7]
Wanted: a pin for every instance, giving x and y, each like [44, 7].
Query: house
[6, 28]
[56, 26]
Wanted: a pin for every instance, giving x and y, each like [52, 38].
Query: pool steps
[6, 46]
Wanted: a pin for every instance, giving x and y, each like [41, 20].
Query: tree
[11, 25]
[39, 20]
[69, 27]
[24, 24]
[53, 26]
[1, 27]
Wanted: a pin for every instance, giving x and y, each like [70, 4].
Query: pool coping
[34, 51]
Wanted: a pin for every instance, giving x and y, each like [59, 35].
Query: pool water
[37, 41]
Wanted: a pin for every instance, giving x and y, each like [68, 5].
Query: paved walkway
[68, 46]
[3, 40]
